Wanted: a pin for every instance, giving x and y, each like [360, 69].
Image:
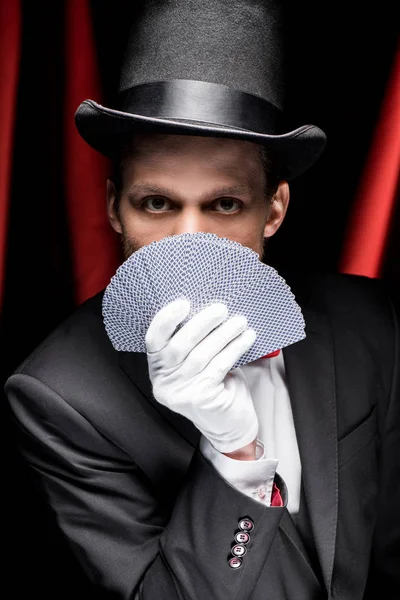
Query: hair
[268, 162]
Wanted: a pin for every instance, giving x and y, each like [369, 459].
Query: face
[174, 184]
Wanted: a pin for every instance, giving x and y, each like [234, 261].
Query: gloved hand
[189, 371]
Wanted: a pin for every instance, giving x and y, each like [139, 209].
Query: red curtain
[375, 203]
[94, 250]
[10, 46]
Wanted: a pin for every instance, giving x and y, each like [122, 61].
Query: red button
[246, 525]
[235, 563]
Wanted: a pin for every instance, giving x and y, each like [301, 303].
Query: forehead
[223, 153]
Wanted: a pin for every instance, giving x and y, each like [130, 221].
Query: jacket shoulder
[340, 292]
[78, 337]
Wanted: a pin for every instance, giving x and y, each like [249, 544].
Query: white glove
[189, 371]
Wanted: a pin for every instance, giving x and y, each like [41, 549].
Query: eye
[157, 204]
[157, 200]
[225, 202]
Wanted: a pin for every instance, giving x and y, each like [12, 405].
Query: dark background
[340, 56]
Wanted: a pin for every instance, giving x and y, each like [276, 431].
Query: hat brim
[103, 128]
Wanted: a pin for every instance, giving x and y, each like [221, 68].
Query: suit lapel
[310, 377]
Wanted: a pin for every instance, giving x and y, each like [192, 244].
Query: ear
[111, 212]
[278, 209]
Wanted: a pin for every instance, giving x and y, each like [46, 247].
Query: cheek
[249, 233]
[138, 232]
[131, 223]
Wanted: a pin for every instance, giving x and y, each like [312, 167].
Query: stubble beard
[129, 245]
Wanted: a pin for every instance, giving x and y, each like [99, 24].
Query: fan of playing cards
[204, 269]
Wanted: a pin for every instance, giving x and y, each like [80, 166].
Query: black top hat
[204, 67]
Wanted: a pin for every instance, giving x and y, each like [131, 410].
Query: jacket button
[235, 563]
[246, 525]
[239, 550]
[242, 537]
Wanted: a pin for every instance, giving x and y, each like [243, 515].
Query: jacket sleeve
[118, 527]
[384, 575]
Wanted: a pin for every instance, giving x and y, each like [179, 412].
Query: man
[305, 505]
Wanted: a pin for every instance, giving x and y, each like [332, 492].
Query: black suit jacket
[148, 517]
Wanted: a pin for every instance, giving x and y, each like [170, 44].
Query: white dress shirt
[277, 449]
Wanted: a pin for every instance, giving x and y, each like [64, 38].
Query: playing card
[204, 269]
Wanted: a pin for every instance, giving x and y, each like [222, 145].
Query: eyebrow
[149, 188]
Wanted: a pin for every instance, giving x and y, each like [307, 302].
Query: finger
[194, 331]
[223, 362]
[164, 324]
[212, 345]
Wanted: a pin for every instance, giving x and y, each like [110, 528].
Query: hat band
[190, 100]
